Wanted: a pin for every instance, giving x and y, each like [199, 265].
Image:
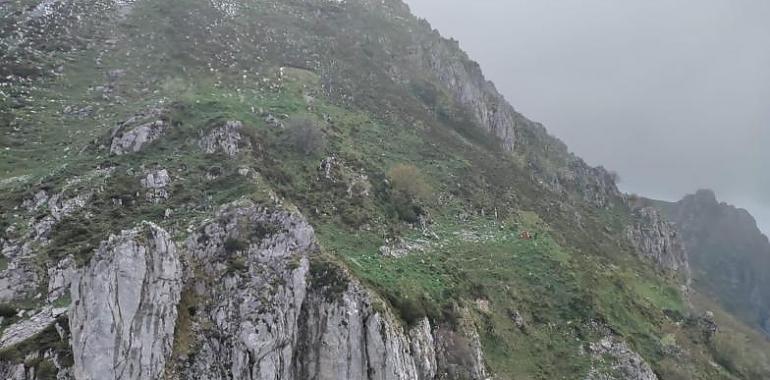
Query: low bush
[409, 181]
[7, 311]
[305, 136]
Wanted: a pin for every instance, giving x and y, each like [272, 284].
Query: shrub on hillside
[7, 311]
[406, 208]
[409, 188]
[408, 180]
[305, 135]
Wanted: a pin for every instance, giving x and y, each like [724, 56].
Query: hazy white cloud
[673, 94]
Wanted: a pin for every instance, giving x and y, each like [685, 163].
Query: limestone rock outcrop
[21, 276]
[254, 265]
[618, 362]
[654, 237]
[156, 184]
[465, 81]
[225, 139]
[373, 345]
[135, 133]
[124, 306]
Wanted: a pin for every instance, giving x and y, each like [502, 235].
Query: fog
[672, 94]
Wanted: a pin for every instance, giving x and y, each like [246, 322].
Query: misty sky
[672, 94]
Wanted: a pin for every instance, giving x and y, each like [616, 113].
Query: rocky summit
[327, 189]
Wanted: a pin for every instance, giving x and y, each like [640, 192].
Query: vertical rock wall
[124, 306]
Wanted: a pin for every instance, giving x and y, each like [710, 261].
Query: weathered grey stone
[14, 371]
[133, 134]
[125, 306]
[258, 317]
[60, 278]
[20, 279]
[264, 318]
[400, 247]
[28, 328]
[466, 83]
[327, 166]
[259, 259]
[59, 207]
[40, 198]
[614, 360]
[424, 350]
[156, 184]
[654, 237]
[226, 139]
[459, 354]
[344, 338]
[595, 185]
[10, 370]
[134, 140]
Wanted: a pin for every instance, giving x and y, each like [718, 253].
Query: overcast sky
[672, 94]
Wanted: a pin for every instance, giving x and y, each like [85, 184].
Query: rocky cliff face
[464, 80]
[347, 325]
[655, 238]
[466, 85]
[21, 241]
[125, 306]
[263, 313]
[251, 279]
[133, 134]
[225, 139]
[251, 308]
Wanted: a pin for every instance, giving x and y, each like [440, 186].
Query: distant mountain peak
[706, 195]
[728, 253]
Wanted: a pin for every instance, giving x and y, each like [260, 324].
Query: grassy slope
[559, 283]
